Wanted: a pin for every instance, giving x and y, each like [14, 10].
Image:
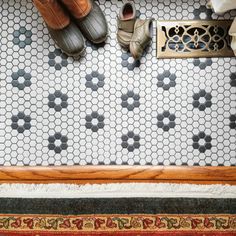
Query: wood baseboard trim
[114, 174]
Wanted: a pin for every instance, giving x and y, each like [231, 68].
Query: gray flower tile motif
[166, 80]
[202, 64]
[138, 13]
[202, 100]
[166, 121]
[130, 141]
[94, 121]
[57, 59]
[57, 100]
[94, 80]
[130, 100]
[128, 61]
[52, 71]
[57, 142]
[202, 142]
[22, 37]
[203, 13]
[21, 79]
[21, 122]
[232, 119]
[233, 79]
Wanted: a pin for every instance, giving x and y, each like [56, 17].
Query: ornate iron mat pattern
[195, 38]
[106, 108]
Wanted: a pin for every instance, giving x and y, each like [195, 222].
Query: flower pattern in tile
[106, 108]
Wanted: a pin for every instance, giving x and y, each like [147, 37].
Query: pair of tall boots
[69, 20]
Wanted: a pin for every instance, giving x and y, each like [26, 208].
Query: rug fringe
[116, 190]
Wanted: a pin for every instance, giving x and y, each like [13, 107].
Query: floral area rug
[107, 215]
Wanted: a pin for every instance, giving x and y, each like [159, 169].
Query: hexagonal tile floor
[107, 108]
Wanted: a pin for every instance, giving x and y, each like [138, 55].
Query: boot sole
[100, 41]
[75, 56]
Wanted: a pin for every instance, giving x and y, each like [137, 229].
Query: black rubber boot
[69, 39]
[94, 25]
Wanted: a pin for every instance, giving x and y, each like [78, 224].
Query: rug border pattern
[120, 222]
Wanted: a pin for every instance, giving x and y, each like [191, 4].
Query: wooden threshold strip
[113, 174]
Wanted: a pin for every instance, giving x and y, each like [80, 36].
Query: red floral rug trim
[118, 225]
[123, 234]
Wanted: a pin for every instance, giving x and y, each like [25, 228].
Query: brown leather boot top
[53, 13]
[78, 8]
